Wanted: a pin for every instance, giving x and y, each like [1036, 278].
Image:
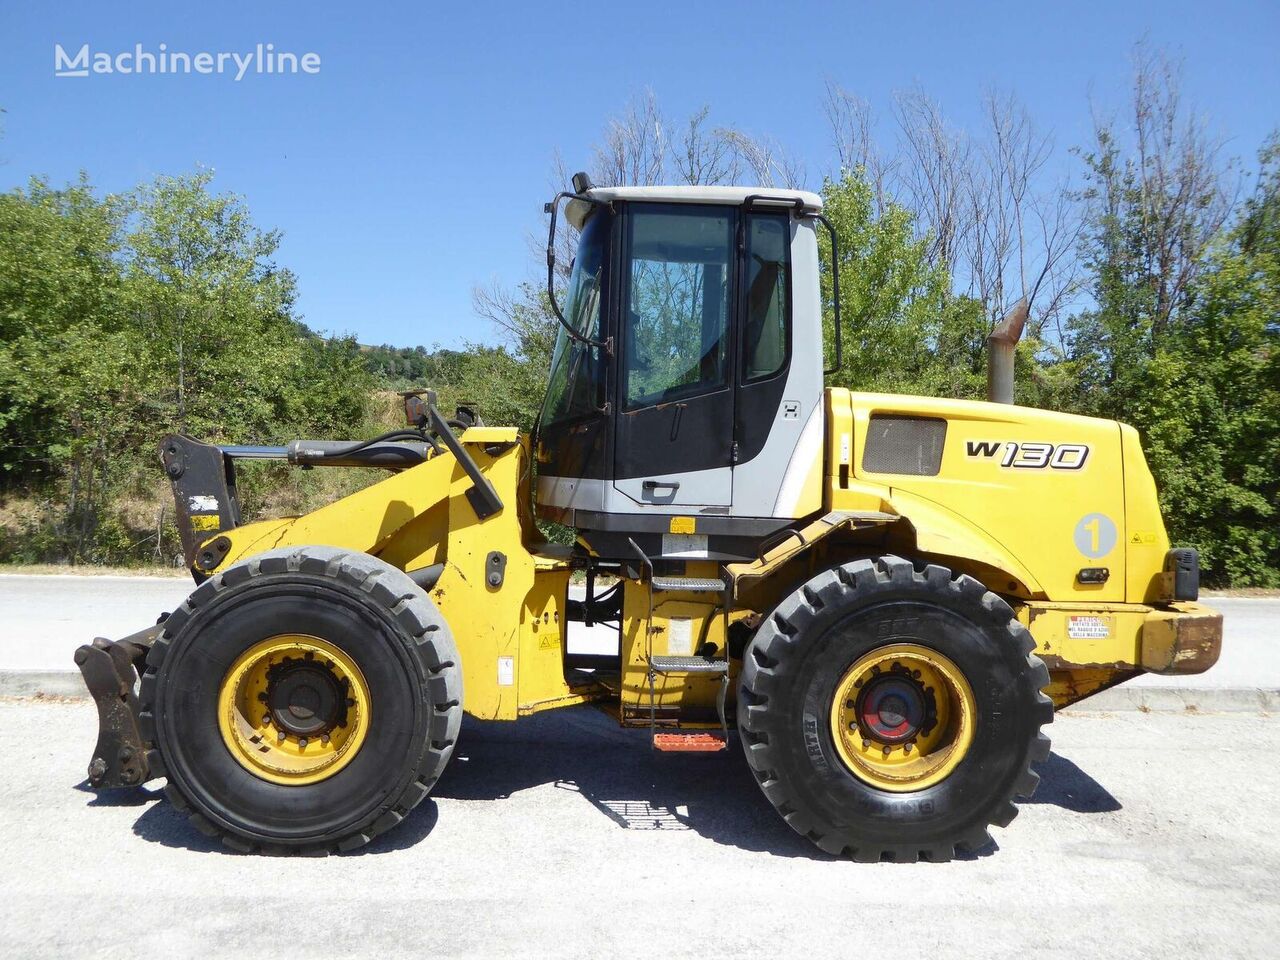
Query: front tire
[304, 700]
[893, 712]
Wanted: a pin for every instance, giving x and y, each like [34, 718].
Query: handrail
[835, 293]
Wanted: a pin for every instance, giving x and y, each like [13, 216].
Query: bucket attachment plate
[109, 671]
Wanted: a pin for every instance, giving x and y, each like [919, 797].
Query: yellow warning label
[1139, 537]
[207, 521]
[684, 525]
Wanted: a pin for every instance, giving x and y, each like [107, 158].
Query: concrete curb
[67, 683]
[1181, 700]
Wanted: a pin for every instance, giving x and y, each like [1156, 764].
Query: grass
[1255, 592]
[90, 570]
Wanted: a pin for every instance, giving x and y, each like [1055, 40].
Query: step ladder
[700, 741]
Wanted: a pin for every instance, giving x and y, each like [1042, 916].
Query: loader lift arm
[203, 475]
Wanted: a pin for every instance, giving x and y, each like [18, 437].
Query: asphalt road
[1152, 835]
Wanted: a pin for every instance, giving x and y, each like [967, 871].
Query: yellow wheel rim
[294, 709]
[902, 717]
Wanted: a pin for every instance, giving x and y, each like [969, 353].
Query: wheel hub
[294, 709]
[902, 717]
[892, 709]
[305, 698]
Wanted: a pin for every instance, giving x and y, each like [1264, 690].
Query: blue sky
[415, 164]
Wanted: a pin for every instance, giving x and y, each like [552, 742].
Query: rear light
[1181, 574]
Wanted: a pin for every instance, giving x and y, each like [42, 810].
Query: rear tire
[390, 636]
[802, 658]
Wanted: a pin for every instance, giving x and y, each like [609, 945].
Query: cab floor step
[702, 741]
[688, 585]
[688, 665]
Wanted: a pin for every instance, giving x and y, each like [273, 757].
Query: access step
[666, 665]
[688, 585]
[700, 741]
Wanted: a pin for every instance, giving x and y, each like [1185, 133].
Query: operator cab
[687, 378]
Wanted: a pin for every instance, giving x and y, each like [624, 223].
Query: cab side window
[767, 301]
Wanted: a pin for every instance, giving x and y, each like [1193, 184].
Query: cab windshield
[573, 389]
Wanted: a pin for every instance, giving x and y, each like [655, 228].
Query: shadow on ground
[1065, 785]
[582, 750]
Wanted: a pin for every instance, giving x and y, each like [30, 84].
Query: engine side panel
[1044, 490]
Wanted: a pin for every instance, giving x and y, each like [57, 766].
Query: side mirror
[417, 405]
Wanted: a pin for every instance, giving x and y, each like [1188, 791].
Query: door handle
[655, 484]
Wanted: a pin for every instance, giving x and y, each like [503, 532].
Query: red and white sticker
[1088, 628]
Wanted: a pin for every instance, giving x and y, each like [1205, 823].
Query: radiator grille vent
[911, 446]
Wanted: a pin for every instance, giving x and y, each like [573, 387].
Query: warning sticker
[684, 524]
[1088, 628]
[506, 671]
[680, 637]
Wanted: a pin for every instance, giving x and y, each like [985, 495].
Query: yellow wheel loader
[886, 597]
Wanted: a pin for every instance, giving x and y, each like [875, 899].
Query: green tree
[1211, 405]
[904, 331]
[230, 355]
[125, 318]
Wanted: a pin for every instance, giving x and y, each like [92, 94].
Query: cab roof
[731, 196]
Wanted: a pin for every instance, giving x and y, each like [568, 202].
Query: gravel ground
[1151, 835]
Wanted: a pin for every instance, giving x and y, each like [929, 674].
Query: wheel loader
[885, 597]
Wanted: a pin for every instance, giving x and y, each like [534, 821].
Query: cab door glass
[677, 307]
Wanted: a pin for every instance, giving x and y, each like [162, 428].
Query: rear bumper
[1179, 638]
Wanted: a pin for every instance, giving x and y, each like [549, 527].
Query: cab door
[675, 413]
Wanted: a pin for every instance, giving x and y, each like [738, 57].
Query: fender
[964, 545]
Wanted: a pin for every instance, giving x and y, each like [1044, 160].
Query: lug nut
[849, 704]
[266, 721]
[302, 742]
[280, 735]
[324, 738]
[888, 750]
[865, 743]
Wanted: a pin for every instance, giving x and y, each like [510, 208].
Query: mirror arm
[552, 209]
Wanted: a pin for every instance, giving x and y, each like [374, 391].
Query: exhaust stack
[1002, 343]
